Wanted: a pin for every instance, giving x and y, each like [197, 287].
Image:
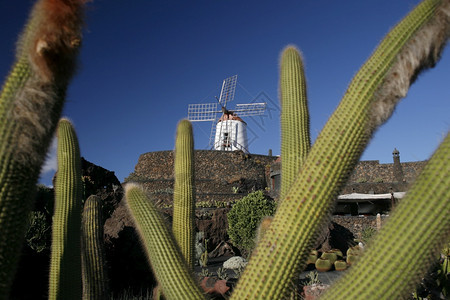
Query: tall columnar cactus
[414, 44]
[183, 225]
[65, 264]
[295, 139]
[31, 101]
[95, 281]
[161, 248]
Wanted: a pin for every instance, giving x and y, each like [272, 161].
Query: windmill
[228, 130]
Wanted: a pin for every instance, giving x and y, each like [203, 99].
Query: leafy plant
[222, 274]
[205, 273]
[245, 217]
[311, 278]
[238, 271]
[38, 234]
[204, 255]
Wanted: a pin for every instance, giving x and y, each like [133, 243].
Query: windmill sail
[228, 90]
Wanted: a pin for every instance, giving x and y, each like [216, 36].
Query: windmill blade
[202, 112]
[251, 109]
[228, 89]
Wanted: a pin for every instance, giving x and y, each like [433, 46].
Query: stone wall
[373, 171]
[368, 177]
[219, 175]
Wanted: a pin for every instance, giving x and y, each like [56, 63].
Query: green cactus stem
[413, 45]
[31, 101]
[415, 231]
[164, 255]
[183, 225]
[65, 263]
[295, 139]
[263, 227]
[95, 281]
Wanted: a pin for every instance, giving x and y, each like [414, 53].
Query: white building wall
[231, 135]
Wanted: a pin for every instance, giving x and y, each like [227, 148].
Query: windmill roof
[229, 117]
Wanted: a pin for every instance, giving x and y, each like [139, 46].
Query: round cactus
[330, 255]
[340, 265]
[323, 265]
[338, 252]
[351, 259]
[311, 258]
[355, 250]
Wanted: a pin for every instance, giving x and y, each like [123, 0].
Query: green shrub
[245, 216]
[367, 234]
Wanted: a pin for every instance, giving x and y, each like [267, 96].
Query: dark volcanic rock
[103, 183]
[215, 228]
[335, 236]
[129, 268]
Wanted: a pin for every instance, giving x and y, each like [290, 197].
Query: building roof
[358, 196]
[230, 117]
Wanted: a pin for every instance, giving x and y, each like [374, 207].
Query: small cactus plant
[340, 265]
[313, 256]
[323, 264]
[338, 253]
[330, 255]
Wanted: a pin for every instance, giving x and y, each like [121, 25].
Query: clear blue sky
[142, 63]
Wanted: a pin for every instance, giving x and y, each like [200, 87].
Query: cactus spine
[31, 101]
[95, 282]
[183, 225]
[166, 259]
[369, 101]
[65, 264]
[295, 139]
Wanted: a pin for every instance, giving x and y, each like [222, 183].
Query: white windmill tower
[228, 130]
